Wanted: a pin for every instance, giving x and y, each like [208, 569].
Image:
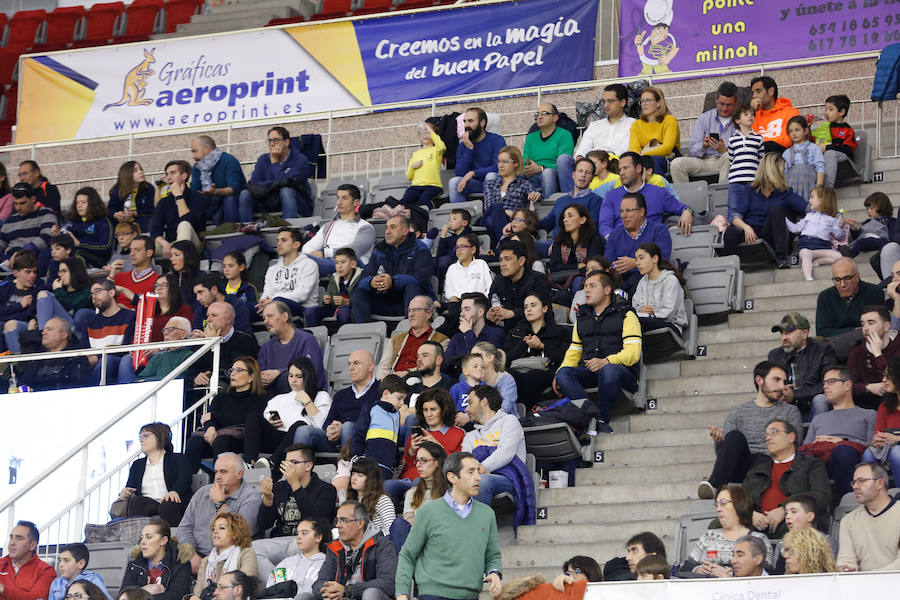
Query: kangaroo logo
[135, 82]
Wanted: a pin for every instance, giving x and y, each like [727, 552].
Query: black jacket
[602, 335]
[176, 472]
[318, 499]
[806, 366]
[807, 475]
[176, 575]
[55, 373]
[512, 294]
[556, 339]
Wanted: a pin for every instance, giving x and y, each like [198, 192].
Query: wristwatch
[497, 571]
[219, 505]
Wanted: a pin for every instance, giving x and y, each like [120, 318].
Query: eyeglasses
[624, 210]
[574, 572]
[415, 309]
[861, 480]
[724, 502]
[503, 161]
[785, 551]
[97, 292]
[160, 285]
[648, 101]
[543, 113]
[423, 461]
[834, 380]
[464, 246]
[346, 520]
[171, 329]
[299, 462]
[774, 431]
[275, 140]
[76, 596]
[234, 370]
[225, 587]
[518, 220]
[844, 279]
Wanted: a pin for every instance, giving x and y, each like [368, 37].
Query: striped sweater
[115, 330]
[19, 231]
[744, 152]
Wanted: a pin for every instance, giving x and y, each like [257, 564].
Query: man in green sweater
[164, 362]
[543, 146]
[838, 307]
[453, 548]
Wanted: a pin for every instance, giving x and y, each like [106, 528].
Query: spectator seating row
[337, 9]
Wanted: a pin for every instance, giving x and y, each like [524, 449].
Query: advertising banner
[273, 73]
[661, 36]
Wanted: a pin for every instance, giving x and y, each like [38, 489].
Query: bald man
[220, 323]
[838, 307]
[56, 373]
[217, 175]
[345, 407]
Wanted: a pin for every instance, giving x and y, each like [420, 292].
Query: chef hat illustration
[658, 12]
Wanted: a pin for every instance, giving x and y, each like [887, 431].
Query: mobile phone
[714, 136]
[274, 416]
[415, 430]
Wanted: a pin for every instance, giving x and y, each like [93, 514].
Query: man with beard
[429, 358]
[741, 442]
[476, 156]
[804, 360]
[110, 325]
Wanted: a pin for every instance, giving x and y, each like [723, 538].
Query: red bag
[143, 325]
[822, 450]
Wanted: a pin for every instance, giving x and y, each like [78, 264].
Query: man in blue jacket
[218, 176]
[400, 270]
[660, 202]
[634, 230]
[476, 156]
[278, 182]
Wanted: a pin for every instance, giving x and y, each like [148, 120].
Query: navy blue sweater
[482, 158]
[165, 219]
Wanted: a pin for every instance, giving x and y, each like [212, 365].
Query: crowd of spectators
[434, 416]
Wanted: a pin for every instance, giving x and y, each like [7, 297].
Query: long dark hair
[93, 590]
[441, 397]
[78, 277]
[587, 565]
[586, 232]
[96, 209]
[5, 188]
[439, 483]
[310, 379]
[191, 271]
[373, 488]
[173, 294]
[653, 250]
[892, 372]
[321, 527]
[125, 180]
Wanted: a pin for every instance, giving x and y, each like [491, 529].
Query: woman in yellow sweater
[655, 133]
[424, 171]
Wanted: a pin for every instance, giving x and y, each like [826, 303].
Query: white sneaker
[706, 491]
[262, 463]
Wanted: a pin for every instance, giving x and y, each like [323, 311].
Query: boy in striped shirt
[745, 150]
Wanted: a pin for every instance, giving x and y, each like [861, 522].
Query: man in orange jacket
[772, 114]
[23, 576]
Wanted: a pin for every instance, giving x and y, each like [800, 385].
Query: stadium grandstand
[268, 257]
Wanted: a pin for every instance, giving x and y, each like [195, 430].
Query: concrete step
[801, 303]
[651, 456]
[610, 531]
[722, 366]
[665, 438]
[694, 386]
[600, 494]
[657, 422]
[738, 334]
[755, 350]
[761, 318]
[616, 512]
[696, 404]
[780, 290]
[666, 472]
[554, 555]
[256, 5]
[210, 24]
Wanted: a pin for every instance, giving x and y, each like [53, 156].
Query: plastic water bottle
[381, 270]
[495, 300]
[13, 384]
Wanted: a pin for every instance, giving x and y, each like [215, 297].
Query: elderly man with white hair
[163, 362]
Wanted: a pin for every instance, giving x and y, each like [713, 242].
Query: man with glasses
[164, 362]
[784, 473]
[660, 202]
[708, 151]
[24, 576]
[611, 134]
[401, 358]
[869, 534]
[361, 563]
[110, 325]
[217, 176]
[227, 493]
[235, 585]
[741, 442]
[46, 193]
[840, 435]
[476, 156]
[453, 548]
[28, 228]
[278, 182]
[300, 495]
[635, 230]
[543, 147]
[868, 360]
[838, 308]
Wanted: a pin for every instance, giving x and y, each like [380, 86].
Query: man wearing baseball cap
[804, 360]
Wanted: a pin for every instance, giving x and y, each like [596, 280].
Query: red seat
[8, 60]
[141, 17]
[285, 21]
[410, 4]
[23, 26]
[374, 6]
[333, 9]
[101, 23]
[62, 24]
[180, 11]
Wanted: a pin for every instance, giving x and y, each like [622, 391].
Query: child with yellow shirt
[424, 171]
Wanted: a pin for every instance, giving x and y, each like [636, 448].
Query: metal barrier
[94, 501]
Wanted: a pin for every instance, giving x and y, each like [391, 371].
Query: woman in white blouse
[303, 406]
[160, 482]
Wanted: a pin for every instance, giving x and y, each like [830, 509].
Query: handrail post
[79, 511]
[214, 380]
[103, 367]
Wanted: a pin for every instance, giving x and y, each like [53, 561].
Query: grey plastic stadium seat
[718, 199]
[715, 284]
[326, 203]
[693, 524]
[662, 345]
[696, 195]
[349, 338]
[700, 244]
[440, 216]
[860, 169]
[109, 559]
[389, 185]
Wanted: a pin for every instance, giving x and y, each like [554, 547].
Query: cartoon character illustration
[135, 82]
[661, 47]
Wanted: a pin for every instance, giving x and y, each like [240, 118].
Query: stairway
[242, 15]
[654, 460]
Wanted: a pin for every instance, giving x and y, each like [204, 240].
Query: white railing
[93, 502]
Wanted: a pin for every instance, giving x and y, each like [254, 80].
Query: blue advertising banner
[481, 48]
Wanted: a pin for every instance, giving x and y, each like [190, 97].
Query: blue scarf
[206, 165]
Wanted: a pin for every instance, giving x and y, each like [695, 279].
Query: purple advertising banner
[662, 36]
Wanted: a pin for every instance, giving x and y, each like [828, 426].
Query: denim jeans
[565, 164]
[609, 381]
[316, 439]
[546, 181]
[473, 187]
[491, 485]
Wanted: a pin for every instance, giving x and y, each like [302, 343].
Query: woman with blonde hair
[761, 213]
[807, 551]
[495, 374]
[656, 132]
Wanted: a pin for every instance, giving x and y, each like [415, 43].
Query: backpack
[886, 85]
[565, 122]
